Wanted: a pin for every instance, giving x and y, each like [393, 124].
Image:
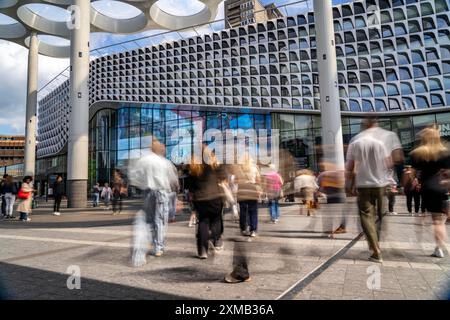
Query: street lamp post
[30, 117]
[77, 155]
[328, 84]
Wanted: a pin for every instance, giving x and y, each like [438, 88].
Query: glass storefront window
[146, 115]
[443, 117]
[303, 122]
[423, 121]
[122, 141]
[246, 121]
[134, 137]
[286, 122]
[146, 136]
[123, 117]
[135, 116]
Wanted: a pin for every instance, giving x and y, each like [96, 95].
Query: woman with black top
[432, 160]
[207, 199]
[58, 192]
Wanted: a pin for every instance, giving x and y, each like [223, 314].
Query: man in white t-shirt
[369, 159]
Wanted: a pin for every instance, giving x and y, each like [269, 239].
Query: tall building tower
[243, 12]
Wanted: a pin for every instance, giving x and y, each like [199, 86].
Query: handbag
[23, 195]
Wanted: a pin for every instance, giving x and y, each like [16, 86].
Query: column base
[77, 193]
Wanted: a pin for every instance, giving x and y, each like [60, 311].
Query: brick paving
[34, 258]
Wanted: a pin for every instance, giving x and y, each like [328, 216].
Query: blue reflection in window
[245, 121]
[229, 121]
[213, 121]
[171, 114]
[122, 141]
[134, 137]
[146, 115]
[158, 115]
[123, 117]
[135, 116]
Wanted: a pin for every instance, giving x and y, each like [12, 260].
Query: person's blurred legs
[367, 200]
[243, 215]
[203, 235]
[253, 215]
[440, 233]
[417, 203]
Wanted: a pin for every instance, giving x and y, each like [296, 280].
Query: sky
[13, 59]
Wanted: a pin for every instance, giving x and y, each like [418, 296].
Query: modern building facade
[393, 60]
[245, 12]
[11, 149]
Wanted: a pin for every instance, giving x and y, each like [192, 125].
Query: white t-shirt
[153, 172]
[388, 138]
[371, 157]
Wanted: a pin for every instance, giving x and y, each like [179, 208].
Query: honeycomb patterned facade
[391, 56]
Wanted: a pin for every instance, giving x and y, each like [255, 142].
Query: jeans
[23, 216]
[9, 203]
[248, 214]
[210, 225]
[274, 209]
[409, 198]
[95, 199]
[57, 203]
[370, 205]
[172, 205]
[156, 208]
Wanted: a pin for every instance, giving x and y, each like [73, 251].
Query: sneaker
[393, 213]
[203, 255]
[438, 253]
[26, 220]
[159, 254]
[231, 279]
[245, 233]
[376, 258]
[253, 234]
[56, 213]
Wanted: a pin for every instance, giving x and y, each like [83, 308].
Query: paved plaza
[294, 259]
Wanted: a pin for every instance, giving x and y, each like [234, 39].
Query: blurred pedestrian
[432, 159]
[3, 206]
[368, 164]
[9, 190]
[391, 192]
[207, 198]
[118, 192]
[305, 185]
[95, 194]
[273, 186]
[332, 186]
[249, 190]
[106, 195]
[58, 193]
[411, 189]
[155, 176]
[25, 195]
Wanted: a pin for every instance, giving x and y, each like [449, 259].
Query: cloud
[13, 83]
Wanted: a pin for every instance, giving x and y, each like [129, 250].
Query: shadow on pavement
[24, 283]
